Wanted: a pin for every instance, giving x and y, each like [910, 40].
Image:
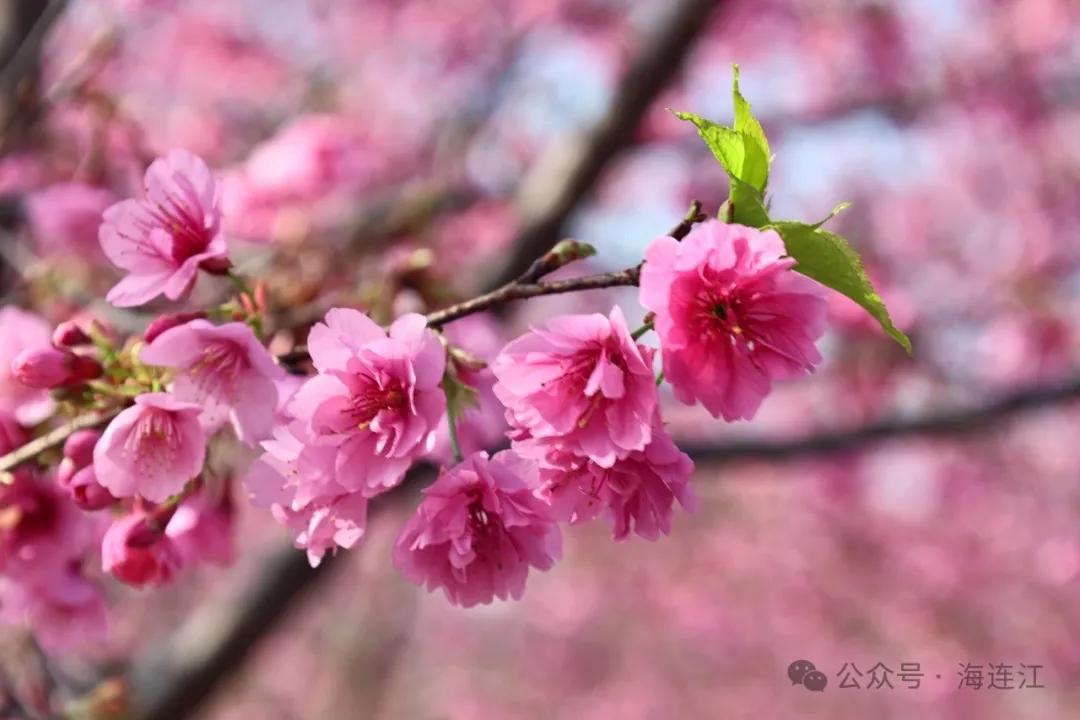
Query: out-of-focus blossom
[163, 239]
[40, 529]
[204, 530]
[129, 558]
[66, 611]
[65, 218]
[47, 368]
[21, 331]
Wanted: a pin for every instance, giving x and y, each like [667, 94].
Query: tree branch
[215, 641]
[55, 438]
[651, 71]
[953, 422]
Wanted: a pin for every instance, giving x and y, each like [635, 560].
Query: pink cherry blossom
[40, 528]
[730, 316]
[65, 218]
[637, 493]
[226, 370]
[375, 403]
[163, 239]
[151, 449]
[478, 530]
[582, 384]
[203, 530]
[132, 561]
[319, 523]
[66, 612]
[21, 330]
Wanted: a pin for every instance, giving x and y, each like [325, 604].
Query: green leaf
[827, 258]
[747, 125]
[740, 154]
[460, 396]
[836, 211]
[749, 207]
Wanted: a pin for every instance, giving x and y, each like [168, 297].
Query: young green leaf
[827, 258]
[749, 207]
[739, 154]
[836, 211]
[749, 127]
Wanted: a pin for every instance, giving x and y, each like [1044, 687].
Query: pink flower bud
[216, 265]
[49, 368]
[84, 488]
[69, 334]
[154, 565]
[168, 322]
[80, 447]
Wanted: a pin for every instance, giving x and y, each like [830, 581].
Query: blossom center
[153, 441]
[487, 530]
[186, 228]
[219, 368]
[366, 405]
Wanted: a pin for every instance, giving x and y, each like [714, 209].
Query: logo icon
[803, 672]
[815, 681]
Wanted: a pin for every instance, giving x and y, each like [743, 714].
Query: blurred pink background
[954, 128]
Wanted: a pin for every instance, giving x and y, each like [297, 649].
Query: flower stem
[240, 284]
[660, 378]
[452, 430]
[642, 330]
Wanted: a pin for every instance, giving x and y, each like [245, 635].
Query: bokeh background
[398, 154]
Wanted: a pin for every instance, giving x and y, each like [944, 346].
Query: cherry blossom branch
[55, 438]
[215, 641]
[528, 285]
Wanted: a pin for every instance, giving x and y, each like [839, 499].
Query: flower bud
[69, 334]
[83, 487]
[80, 447]
[168, 322]
[216, 265]
[88, 493]
[49, 368]
[125, 556]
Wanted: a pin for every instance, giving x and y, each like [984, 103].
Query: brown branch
[55, 438]
[959, 421]
[178, 679]
[527, 286]
[651, 71]
[23, 29]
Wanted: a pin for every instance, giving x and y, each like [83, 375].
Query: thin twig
[55, 438]
[527, 286]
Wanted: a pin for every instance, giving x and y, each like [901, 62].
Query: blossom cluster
[576, 402]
